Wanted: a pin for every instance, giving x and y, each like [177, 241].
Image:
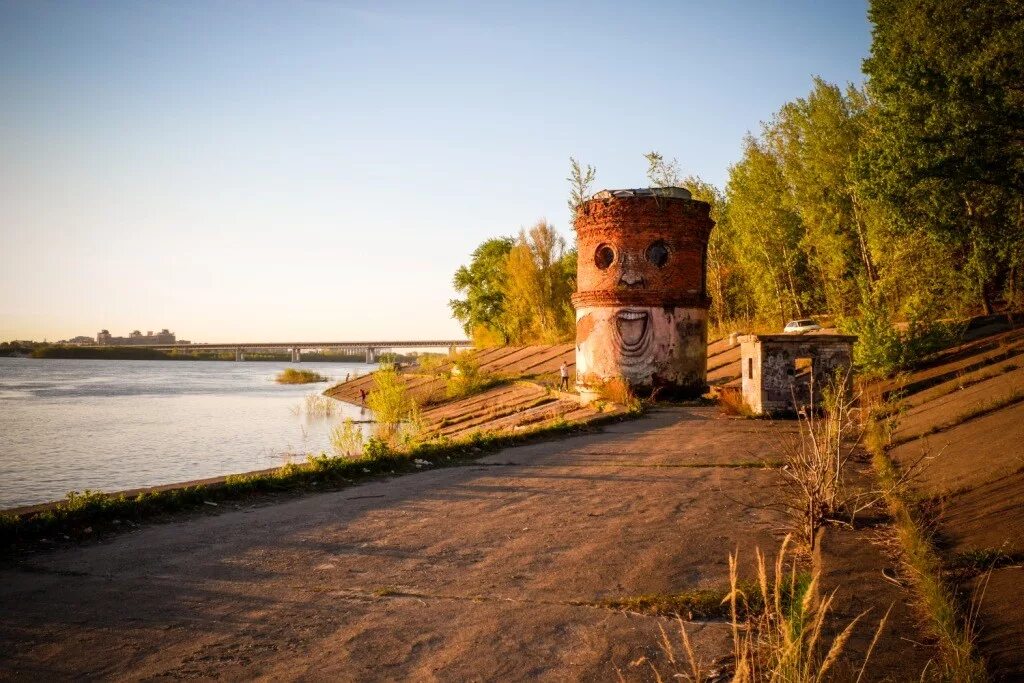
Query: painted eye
[604, 256]
[657, 253]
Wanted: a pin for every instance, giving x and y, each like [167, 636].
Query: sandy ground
[493, 570]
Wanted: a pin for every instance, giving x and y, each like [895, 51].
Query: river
[108, 425]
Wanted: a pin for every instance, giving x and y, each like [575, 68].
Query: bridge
[372, 349]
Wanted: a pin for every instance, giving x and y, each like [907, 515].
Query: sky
[317, 170]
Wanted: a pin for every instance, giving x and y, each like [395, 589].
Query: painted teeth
[632, 315]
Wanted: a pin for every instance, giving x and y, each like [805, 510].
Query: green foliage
[517, 291]
[394, 410]
[882, 348]
[293, 376]
[466, 378]
[580, 181]
[346, 439]
[945, 150]
[483, 284]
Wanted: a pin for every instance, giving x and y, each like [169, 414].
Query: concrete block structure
[780, 371]
[641, 301]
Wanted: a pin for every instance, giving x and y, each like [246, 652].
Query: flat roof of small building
[798, 338]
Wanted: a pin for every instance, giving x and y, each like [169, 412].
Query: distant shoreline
[137, 353]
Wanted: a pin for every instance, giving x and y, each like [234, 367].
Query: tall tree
[948, 151]
[482, 312]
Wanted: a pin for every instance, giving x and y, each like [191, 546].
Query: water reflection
[109, 425]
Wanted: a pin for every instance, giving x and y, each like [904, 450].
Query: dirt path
[486, 571]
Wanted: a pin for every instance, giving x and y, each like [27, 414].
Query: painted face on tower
[629, 268]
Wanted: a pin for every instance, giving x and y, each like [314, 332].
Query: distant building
[80, 340]
[136, 338]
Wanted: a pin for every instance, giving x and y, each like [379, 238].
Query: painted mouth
[632, 328]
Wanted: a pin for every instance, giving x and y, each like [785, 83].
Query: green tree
[482, 282]
[947, 151]
[540, 279]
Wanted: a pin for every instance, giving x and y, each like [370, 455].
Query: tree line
[898, 201]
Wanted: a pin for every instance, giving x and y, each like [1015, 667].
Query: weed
[466, 378]
[955, 636]
[778, 626]
[816, 463]
[732, 403]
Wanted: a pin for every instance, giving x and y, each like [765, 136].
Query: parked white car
[800, 326]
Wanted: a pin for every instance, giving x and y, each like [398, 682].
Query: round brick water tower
[641, 300]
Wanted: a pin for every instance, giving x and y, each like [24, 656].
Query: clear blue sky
[263, 170]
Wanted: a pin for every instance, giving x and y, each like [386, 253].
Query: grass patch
[83, 515]
[293, 376]
[977, 560]
[705, 603]
[938, 601]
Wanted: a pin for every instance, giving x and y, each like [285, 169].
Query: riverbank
[91, 514]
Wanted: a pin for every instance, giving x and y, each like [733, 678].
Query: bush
[882, 349]
[293, 376]
[394, 409]
[466, 378]
[347, 439]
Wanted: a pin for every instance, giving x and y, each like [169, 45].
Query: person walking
[564, 373]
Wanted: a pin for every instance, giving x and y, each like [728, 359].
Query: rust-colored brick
[641, 297]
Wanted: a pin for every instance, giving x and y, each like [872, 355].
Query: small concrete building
[780, 371]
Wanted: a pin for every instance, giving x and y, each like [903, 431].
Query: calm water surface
[108, 425]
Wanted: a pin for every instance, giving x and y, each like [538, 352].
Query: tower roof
[672, 192]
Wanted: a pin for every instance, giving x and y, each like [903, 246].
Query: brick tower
[641, 300]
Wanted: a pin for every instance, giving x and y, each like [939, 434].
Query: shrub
[882, 349]
[394, 409]
[347, 439]
[466, 378]
[293, 376]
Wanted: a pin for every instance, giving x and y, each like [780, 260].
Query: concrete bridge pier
[296, 355]
[371, 354]
[239, 355]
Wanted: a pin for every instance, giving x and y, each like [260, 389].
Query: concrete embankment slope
[962, 436]
[496, 570]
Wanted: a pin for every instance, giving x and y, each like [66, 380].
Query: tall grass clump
[395, 412]
[293, 376]
[779, 629]
[318, 405]
[816, 462]
[347, 439]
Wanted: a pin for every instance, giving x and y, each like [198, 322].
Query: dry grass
[318, 405]
[617, 390]
[817, 461]
[731, 402]
[783, 638]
